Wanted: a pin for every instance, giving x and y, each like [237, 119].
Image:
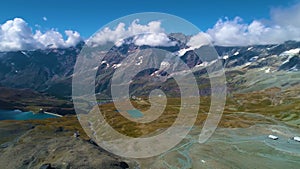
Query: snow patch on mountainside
[225, 57]
[140, 60]
[249, 48]
[290, 52]
[116, 65]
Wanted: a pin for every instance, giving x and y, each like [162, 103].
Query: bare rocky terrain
[45, 145]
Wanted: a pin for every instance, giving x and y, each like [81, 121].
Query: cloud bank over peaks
[17, 35]
[284, 25]
[151, 34]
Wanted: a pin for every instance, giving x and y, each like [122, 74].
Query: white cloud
[153, 39]
[284, 25]
[201, 39]
[151, 34]
[17, 35]
[287, 16]
[50, 38]
[196, 41]
[73, 38]
[45, 18]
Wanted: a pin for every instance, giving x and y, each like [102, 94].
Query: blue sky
[28, 25]
[86, 17]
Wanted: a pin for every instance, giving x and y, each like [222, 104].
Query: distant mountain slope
[41, 70]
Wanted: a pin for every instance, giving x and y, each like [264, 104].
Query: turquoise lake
[135, 113]
[19, 115]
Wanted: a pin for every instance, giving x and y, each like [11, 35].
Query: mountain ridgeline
[50, 71]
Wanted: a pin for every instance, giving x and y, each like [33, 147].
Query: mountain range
[49, 72]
